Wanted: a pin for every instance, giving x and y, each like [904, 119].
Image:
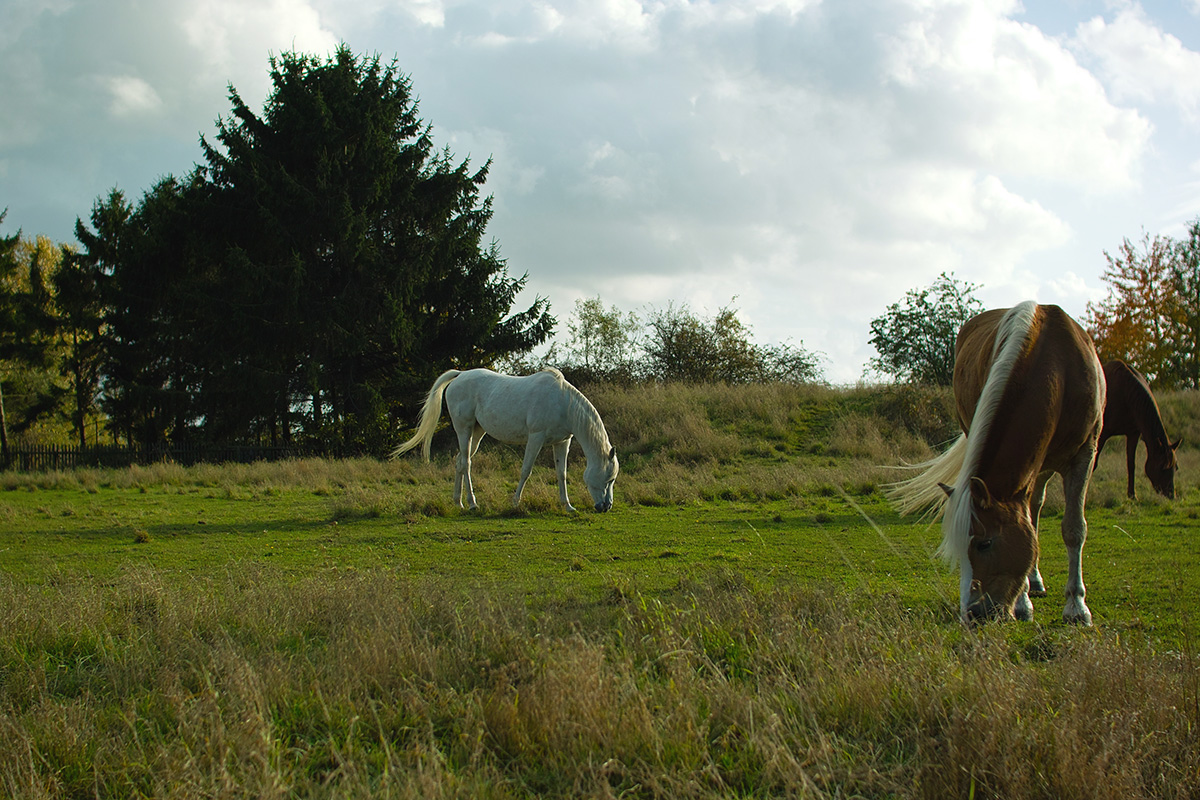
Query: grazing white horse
[536, 410]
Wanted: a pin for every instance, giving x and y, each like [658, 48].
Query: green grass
[750, 620]
[850, 542]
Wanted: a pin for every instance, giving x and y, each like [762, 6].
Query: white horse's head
[600, 476]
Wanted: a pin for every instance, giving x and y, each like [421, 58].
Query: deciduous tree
[602, 344]
[915, 337]
[26, 334]
[680, 346]
[1144, 317]
[1185, 281]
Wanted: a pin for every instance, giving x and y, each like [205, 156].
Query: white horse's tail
[431, 412]
[924, 491]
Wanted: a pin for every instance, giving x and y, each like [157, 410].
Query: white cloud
[1142, 63]
[815, 159]
[992, 91]
[131, 95]
[232, 39]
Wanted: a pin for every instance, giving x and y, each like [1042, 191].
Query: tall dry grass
[372, 685]
[678, 443]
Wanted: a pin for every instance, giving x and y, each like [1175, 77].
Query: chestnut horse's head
[1161, 466]
[1001, 551]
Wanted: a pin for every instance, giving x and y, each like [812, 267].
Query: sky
[806, 162]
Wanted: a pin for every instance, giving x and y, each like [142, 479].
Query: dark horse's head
[1001, 551]
[1161, 466]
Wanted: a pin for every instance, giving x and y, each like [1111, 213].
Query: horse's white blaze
[535, 410]
[965, 580]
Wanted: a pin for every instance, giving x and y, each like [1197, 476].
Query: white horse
[536, 410]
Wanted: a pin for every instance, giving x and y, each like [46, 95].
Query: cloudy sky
[807, 162]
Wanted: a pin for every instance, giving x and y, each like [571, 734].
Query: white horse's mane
[1010, 342]
[585, 419]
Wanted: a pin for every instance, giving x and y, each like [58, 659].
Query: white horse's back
[509, 407]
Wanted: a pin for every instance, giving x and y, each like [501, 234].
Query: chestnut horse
[1029, 393]
[1130, 411]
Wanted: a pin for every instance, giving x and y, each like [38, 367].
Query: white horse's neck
[586, 425]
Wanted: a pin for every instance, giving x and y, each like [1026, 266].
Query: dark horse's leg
[1131, 443]
[1099, 449]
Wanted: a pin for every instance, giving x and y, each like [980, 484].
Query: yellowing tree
[1144, 320]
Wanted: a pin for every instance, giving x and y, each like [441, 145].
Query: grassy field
[750, 620]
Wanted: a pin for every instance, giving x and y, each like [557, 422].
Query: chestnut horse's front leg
[1074, 533]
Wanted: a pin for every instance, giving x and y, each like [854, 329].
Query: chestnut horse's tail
[431, 412]
[925, 489]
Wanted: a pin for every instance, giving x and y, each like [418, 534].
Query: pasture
[750, 620]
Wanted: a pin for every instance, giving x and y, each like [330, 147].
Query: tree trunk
[4, 458]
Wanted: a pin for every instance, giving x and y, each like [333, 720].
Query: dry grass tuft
[367, 685]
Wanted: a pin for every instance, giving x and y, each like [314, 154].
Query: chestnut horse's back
[1055, 379]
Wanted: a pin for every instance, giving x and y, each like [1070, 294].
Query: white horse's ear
[949, 490]
[612, 453]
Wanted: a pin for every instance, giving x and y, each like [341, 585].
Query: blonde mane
[1011, 337]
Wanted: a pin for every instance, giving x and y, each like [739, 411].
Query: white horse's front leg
[560, 465]
[533, 446]
[1074, 533]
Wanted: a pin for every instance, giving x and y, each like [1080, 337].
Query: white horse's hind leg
[560, 466]
[468, 443]
[533, 446]
[1074, 533]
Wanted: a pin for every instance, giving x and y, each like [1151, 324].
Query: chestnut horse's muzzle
[983, 608]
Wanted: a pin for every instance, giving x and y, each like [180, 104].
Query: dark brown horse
[1029, 393]
[1130, 411]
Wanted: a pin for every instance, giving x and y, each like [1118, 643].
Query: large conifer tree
[318, 270]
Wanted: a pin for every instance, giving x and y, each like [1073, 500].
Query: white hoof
[1023, 609]
[1076, 612]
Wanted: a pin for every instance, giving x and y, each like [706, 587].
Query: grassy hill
[750, 620]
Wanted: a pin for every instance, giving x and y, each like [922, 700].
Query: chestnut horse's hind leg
[1074, 533]
[1037, 588]
[1034, 587]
